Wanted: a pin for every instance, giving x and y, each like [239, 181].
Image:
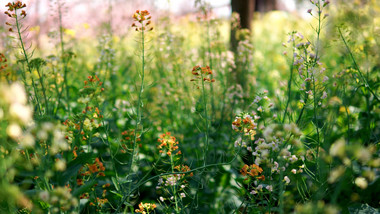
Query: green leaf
[74, 166]
[115, 183]
[84, 188]
[362, 209]
[117, 194]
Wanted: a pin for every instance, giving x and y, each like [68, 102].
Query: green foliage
[168, 120]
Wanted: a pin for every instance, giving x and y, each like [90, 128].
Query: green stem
[43, 91]
[289, 86]
[205, 149]
[142, 181]
[314, 90]
[138, 110]
[64, 60]
[174, 186]
[27, 61]
[357, 67]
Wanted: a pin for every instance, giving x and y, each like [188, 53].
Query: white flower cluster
[170, 180]
[14, 108]
[310, 69]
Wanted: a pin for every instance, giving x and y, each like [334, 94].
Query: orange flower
[80, 182]
[93, 168]
[140, 17]
[145, 207]
[252, 170]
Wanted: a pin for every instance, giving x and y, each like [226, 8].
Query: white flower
[293, 158]
[260, 187]
[44, 195]
[324, 95]
[286, 179]
[87, 124]
[257, 99]
[257, 161]
[183, 195]
[253, 192]
[325, 78]
[361, 182]
[269, 188]
[42, 134]
[27, 141]
[294, 171]
[162, 199]
[17, 93]
[60, 165]
[21, 112]
[260, 109]
[14, 131]
[287, 127]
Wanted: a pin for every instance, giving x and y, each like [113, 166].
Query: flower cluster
[235, 21]
[59, 198]
[200, 73]
[143, 17]
[365, 158]
[97, 167]
[92, 90]
[13, 7]
[253, 171]
[128, 137]
[145, 208]
[3, 62]
[175, 179]
[279, 151]
[15, 109]
[312, 77]
[244, 123]
[168, 144]
[183, 168]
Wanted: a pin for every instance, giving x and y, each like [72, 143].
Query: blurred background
[83, 18]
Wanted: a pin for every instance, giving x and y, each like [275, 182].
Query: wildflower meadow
[158, 114]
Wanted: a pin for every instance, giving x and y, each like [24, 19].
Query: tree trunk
[264, 6]
[245, 9]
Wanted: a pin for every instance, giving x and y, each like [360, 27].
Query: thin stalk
[314, 90]
[174, 186]
[289, 86]
[43, 91]
[357, 67]
[210, 64]
[27, 62]
[205, 149]
[64, 60]
[142, 181]
[138, 110]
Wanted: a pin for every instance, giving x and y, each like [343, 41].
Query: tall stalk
[205, 149]
[289, 84]
[315, 103]
[64, 58]
[140, 17]
[26, 58]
